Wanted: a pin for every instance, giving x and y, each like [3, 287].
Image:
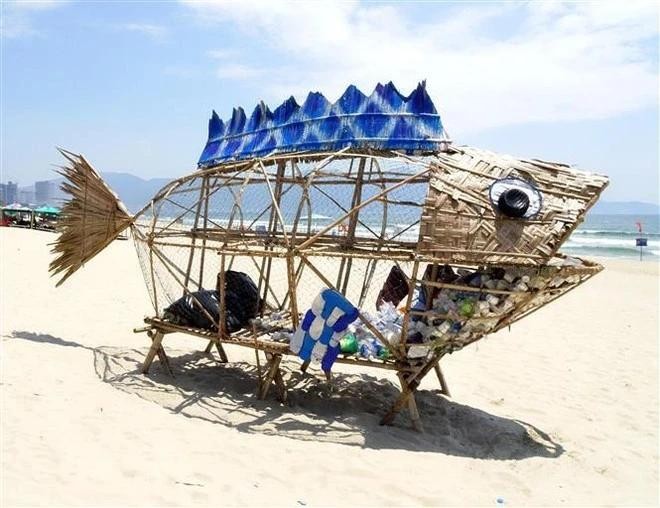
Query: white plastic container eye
[515, 198]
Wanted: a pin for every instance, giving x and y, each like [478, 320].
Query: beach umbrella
[48, 209]
[17, 207]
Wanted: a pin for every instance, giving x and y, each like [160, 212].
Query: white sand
[563, 409]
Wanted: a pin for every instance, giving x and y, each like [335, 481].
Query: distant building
[44, 192]
[26, 196]
[8, 192]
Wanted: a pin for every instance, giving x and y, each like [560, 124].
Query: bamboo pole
[406, 318]
[222, 314]
[194, 238]
[311, 240]
[350, 237]
[206, 219]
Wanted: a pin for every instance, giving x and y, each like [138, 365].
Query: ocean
[614, 236]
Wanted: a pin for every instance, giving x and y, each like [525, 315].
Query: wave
[618, 252]
[315, 216]
[604, 241]
[608, 246]
[605, 232]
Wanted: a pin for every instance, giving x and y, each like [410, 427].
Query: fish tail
[90, 220]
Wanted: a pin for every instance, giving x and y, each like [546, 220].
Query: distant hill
[624, 208]
[133, 190]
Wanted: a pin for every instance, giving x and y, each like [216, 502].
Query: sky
[131, 85]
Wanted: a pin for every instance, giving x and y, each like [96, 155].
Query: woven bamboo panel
[460, 224]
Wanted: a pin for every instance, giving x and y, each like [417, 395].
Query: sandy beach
[560, 410]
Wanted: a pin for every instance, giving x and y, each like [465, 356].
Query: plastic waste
[418, 351]
[349, 344]
[366, 349]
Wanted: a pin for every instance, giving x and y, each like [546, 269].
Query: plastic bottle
[466, 308]
[366, 349]
[348, 345]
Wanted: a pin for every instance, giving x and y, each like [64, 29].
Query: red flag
[639, 226]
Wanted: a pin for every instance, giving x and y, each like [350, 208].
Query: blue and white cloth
[317, 338]
[384, 120]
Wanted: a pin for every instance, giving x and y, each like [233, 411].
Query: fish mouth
[458, 305]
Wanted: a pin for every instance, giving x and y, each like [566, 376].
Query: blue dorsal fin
[351, 101]
[315, 105]
[285, 110]
[374, 103]
[392, 97]
[237, 122]
[419, 101]
[216, 126]
[386, 120]
[259, 118]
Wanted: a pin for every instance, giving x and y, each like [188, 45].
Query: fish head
[498, 222]
[491, 209]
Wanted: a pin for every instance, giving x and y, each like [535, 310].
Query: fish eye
[515, 198]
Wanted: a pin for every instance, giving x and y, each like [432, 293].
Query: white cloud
[156, 32]
[222, 54]
[237, 71]
[487, 65]
[17, 16]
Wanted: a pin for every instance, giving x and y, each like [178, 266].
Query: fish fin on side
[90, 220]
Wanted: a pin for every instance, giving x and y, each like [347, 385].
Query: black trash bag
[395, 288]
[243, 304]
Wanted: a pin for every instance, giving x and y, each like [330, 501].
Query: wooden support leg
[411, 402]
[281, 386]
[409, 383]
[444, 389]
[414, 413]
[398, 405]
[156, 341]
[221, 352]
[271, 370]
[164, 360]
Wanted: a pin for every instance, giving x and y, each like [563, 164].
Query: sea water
[614, 236]
[598, 235]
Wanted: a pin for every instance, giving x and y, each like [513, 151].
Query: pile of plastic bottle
[361, 341]
[456, 314]
[455, 311]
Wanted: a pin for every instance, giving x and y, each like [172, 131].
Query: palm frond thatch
[90, 220]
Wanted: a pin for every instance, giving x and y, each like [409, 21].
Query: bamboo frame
[455, 180]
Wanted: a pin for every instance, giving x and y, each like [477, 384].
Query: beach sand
[560, 410]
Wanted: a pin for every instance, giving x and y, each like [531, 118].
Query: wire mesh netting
[262, 239]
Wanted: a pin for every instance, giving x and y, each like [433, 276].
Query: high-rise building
[44, 191]
[8, 192]
[26, 195]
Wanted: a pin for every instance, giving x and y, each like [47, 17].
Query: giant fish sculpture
[435, 245]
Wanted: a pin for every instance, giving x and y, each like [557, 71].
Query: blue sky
[131, 84]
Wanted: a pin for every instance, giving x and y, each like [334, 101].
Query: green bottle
[383, 353]
[349, 344]
[466, 308]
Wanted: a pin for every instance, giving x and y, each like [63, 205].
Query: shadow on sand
[346, 411]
